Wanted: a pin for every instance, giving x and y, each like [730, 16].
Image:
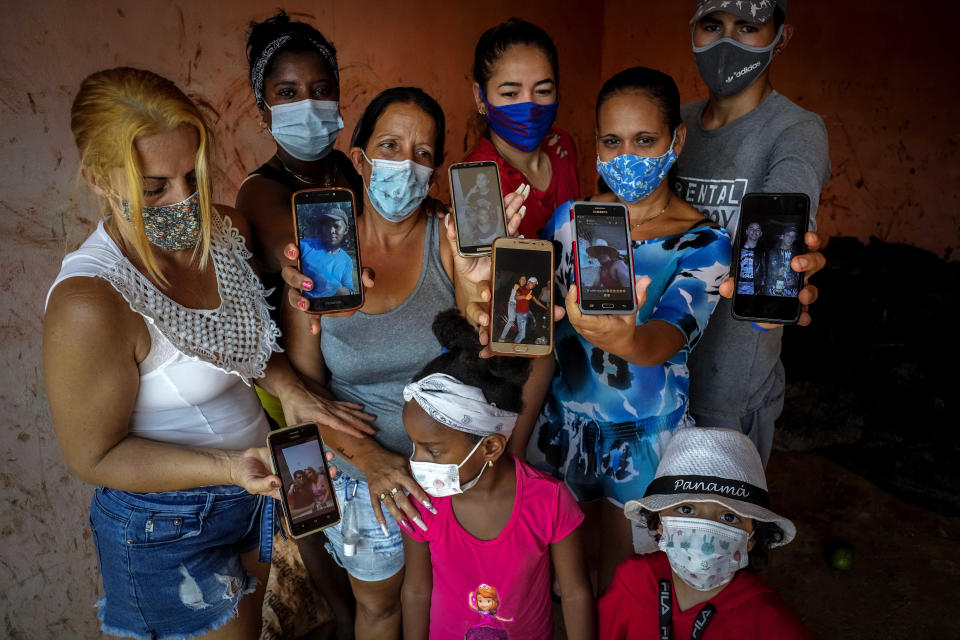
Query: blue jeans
[170, 561]
[378, 557]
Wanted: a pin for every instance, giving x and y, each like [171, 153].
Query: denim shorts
[598, 460]
[377, 557]
[170, 561]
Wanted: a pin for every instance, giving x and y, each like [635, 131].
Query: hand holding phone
[306, 493]
[326, 233]
[770, 234]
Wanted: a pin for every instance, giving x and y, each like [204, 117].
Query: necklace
[653, 217]
[323, 182]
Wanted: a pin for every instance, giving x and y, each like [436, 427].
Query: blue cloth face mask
[524, 124]
[396, 189]
[306, 129]
[633, 178]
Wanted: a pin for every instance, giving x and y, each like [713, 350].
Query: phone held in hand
[325, 224]
[770, 234]
[477, 206]
[521, 309]
[307, 494]
[603, 258]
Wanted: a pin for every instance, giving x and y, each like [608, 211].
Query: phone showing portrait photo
[522, 304]
[326, 231]
[603, 260]
[477, 206]
[307, 494]
[770, 234]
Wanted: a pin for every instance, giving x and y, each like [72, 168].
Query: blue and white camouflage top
[686, 270]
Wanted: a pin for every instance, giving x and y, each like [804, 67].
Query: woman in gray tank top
[368, 356]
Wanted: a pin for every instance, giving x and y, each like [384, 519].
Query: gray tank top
[372, 357]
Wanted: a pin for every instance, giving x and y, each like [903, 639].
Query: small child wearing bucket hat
[709, 505]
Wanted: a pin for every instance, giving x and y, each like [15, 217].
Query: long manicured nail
[383, 527]
[526, 190]
[519, 190]
[405, 524]
[419, 522]
[430, 507]
[523, 210]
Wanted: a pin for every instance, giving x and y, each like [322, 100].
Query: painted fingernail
[302, 304]
[419, 522]
[523, 210]
[430, 507]
[520, 188]
[307, 285]
[383, 527]
[291, 253]
[404, 524]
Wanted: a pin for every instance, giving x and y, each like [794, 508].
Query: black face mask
[728, 67]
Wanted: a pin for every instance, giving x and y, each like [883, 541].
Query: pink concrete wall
[881, 93]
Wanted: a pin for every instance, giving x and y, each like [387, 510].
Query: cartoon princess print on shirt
[486, 601]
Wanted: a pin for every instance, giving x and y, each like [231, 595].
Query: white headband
[256, 71]
[459, 406]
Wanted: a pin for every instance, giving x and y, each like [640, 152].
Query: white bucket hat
[711, 465]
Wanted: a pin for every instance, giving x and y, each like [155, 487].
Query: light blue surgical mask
[397, 188]
[633, 178]
[306, 129]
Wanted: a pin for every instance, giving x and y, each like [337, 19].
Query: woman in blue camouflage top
[621, 385]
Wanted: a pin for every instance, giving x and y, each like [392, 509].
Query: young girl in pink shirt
[481, 568]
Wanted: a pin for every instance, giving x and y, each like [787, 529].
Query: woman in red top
[515, 89]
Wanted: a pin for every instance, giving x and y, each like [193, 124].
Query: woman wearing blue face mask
[367, 357]
[622, 384]
[515, 90]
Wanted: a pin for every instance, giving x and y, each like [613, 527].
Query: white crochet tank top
[194, 382]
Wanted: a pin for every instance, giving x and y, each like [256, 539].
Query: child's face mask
[441, 480]
[705, 554]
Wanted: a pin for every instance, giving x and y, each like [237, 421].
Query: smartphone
[307, 494]
[603, 258]
[770, 234]
[522, 304]
[477, 206]
[325, 224]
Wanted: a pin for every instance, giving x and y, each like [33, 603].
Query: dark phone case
[479, 250]
[576, 266]
[770, 302]
[331, 308]
[277, 438]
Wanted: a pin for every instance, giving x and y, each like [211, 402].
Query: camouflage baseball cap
[755, 11]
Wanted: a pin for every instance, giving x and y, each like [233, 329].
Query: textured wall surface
[877, 79]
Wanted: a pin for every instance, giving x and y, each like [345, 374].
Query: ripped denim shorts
[170, 561]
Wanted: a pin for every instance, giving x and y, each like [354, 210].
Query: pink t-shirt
[498, 588]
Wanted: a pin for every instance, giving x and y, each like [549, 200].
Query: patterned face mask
[172, 226]
[397, 188]
[633, 178]
[705, 554]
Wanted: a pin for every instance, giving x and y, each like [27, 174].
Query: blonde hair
[113, 108]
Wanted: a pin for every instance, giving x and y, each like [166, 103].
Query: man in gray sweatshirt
[745, 138]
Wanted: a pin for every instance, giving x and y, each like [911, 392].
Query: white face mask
[441, 480]
[306, 129]
[705, 554]
[397, 188]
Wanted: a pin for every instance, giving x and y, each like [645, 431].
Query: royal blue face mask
[524, 124]
[633, 178]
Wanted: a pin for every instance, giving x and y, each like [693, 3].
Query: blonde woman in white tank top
[154, 331]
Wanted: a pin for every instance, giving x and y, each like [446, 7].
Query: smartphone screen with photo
[522, 304]
[769, 236]
[477, 206]
[604, 259]
[308, 497]
[326, 229]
